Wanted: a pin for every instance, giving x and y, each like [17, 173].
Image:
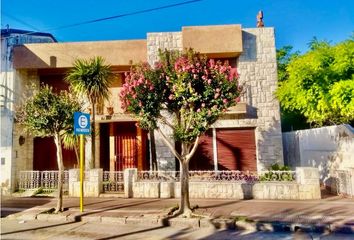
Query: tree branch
[189, 156]
[189, 121]
[164, 120]
[169, 144]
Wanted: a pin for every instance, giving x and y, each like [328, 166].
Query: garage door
[236, 149]
[203, 157]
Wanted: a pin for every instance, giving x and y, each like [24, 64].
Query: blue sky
[295, 21]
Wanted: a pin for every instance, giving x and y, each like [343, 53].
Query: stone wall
[156, 41]
[305, 187]
[257, 69]
[258, 74]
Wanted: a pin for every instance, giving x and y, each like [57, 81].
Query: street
[14, 229]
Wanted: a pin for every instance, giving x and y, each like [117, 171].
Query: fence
[300, 184]
[47, 180]
[345, 182]
[219, 176]
[113, 181]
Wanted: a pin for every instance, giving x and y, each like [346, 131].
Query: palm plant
[90, 79]
[71, 142]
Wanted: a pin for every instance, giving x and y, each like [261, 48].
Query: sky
[296, 22]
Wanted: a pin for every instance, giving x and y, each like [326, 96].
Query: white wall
[327, 148]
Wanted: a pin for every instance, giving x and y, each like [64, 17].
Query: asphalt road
[10, 205]
[14, 229]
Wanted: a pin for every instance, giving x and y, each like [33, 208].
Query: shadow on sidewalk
[110, 208]
[38, 228]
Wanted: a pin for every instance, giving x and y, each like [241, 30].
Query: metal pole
[81, 172]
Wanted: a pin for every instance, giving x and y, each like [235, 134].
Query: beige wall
[216, 41]
[62, 55]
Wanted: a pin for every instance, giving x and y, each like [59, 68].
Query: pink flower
[209, 81]
[198, 110]
[217, 90]
[170, 97]
[225, 101]
[233, 74]
[216, 95]
[203, 105]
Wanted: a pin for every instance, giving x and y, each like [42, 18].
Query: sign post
[81, 127]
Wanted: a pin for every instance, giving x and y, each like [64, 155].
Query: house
[10, 90]
[247, 137]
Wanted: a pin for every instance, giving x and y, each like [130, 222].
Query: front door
[126, 152]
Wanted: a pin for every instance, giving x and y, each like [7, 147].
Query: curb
[195, 223]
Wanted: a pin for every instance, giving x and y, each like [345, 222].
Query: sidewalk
[331, 212]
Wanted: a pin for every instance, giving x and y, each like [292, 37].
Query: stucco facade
[252, 50]
[14, 155]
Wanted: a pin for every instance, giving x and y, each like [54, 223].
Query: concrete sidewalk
[332, 212]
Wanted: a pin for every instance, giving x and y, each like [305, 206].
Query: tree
[290, 120]
[185, 92]
[48, 114]
[320, 83]
[90, 79]
[284, 57]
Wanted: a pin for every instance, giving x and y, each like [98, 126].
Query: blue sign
[81, 123]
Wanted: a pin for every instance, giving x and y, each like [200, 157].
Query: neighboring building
[248, 137]
[10, 89]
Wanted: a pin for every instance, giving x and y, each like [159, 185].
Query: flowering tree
[185, 92]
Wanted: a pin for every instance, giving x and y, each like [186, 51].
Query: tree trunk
[59, 206]
[153, 150]
[93, 138]
[77, 154]
[185, 207]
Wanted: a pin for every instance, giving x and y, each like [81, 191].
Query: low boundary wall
[306, 186]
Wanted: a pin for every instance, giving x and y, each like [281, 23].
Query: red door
[236, 149]
[126, 152]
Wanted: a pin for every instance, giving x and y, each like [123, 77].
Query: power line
[126, 14]
[20, 21]
[115, 16]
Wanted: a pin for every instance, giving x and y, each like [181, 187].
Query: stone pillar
[167, 189]
[94, 186]
[307, 175]
[112, 156]
[130, 176]
[97, 146]
[351, 175]
[156, 41]
[74, 182]
[308, 179]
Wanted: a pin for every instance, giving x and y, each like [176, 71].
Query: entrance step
[114, 195]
